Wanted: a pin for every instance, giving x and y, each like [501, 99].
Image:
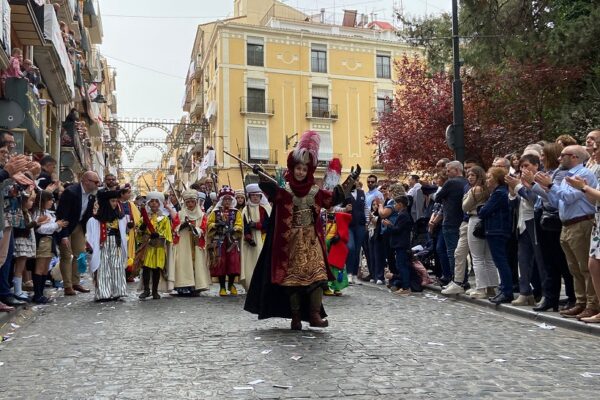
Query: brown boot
[316, 299]
[69, 291]
[296, 321]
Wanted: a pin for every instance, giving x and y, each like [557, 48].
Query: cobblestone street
[378, 345]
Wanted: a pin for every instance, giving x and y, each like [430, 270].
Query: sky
[149, 42]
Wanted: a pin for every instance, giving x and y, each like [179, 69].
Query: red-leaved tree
[504, 109]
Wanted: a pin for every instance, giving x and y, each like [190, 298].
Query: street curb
[550, 318]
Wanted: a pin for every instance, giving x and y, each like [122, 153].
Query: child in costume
[224, 231]
[107, 237]
[191, 272]
[256, 221]
[336, 239]
[133, 217]
[292, 271]
[156, 232]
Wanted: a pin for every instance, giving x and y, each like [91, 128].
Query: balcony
[321, 111]
[25, 19]
[19, 91]
[197, 105]
[259, 156]
[250, 105]
[325, 163]
[92, 20]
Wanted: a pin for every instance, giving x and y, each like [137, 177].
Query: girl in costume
[156, 232]
[292, 270]
[224, 231]
[107, 237]
[240, 199]
[336, 240]
[191, 272]
[133, 218]
[24, 236]
[256, 220]
[45, 246]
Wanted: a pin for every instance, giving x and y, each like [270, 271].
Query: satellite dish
[11, 114]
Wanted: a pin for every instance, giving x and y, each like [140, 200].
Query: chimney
[322, 15]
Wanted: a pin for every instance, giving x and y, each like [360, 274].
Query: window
[258, 144]
[326, 147]
[320, 101]
[318, 58]
[382, 100]
[255, 51]
[256, 95]
[383, 66]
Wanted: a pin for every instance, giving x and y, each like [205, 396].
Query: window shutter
[320, 91]
[256, 83]
[326, 147]
[255, 40]
[258, 143]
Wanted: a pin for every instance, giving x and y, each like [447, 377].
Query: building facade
[68, 89]
[268, 74]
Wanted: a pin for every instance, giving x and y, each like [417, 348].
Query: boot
[296, 321]
[155, 281]
[146, 281]
[295, 305]
[316, 299]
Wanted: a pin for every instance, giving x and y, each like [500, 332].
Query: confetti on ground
[565, 357]
[99, 322]
[266, 351]
[435, 344]
[243, 388]
[590, 374]
[256, 382]
[15, 326]
[282, 386]
[295, 358]
[544, 325]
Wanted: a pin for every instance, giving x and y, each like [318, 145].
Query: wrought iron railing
[320, 110]
[251, 105]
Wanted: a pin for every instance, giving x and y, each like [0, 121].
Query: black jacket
[69, 209]
[399, 233]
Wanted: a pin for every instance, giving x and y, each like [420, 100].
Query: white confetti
[565, 357]
[288, 345]
[15, 326]
[266, 351]
[257, 338]
[256, 382]
[243, 388]
[1, 363]
[295, 358]
[544, 325]
[500, 360]
[181, 312]
[30, 336]
[435, 344]
[309, 337]
[99, 322]
[590, 374]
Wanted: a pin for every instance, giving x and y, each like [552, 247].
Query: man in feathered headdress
[292, 272]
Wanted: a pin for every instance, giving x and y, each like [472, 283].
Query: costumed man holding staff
[133, 218]
[256, 220]
[191, 272]
[223, 234]
[156, 232]
[292, 270]
[107, 238]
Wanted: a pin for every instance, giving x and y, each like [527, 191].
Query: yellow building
[268, 74]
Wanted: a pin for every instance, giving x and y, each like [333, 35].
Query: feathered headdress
[333, 174]
[307, 149]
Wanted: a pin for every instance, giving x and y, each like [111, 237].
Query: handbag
[479, 230]
[550, 221]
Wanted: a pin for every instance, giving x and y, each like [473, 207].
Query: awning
[25, 16]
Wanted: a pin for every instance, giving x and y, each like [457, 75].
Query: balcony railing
[249, 105]
[320, 110]
[268, 156]
[325, 163]
[377, 113]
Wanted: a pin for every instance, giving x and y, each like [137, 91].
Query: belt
[578, 219]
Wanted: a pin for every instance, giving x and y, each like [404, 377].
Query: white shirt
[414, 189]
[85, 198]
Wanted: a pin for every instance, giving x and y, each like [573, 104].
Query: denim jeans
[6, 269]
[401, 278]
[442, 253]
[355, 241]
[451, 235]
[377, 258]
[497, 244]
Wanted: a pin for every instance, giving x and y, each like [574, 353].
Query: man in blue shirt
[577, 215]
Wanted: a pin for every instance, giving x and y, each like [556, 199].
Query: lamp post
[458, 131]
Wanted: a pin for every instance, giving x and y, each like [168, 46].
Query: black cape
[266, 299]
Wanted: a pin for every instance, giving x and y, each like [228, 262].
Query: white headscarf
[194, 214]
[253, 188]
[161, 199]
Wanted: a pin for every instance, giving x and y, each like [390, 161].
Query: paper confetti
[266, 351]
[256, 382]
[295, 358]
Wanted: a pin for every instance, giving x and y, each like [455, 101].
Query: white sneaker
[350, 279]
[372, 281]
[468, 292]
[379, 282]
[478, 294]
[453, 288]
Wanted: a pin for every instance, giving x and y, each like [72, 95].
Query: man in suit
[75, 206]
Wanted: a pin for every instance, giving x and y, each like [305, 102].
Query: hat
[155, 196]
[226, 191]
[307, 149]
[333, 174]
[190, 194]
[253, 188]
[108, 194]
[240, 192]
